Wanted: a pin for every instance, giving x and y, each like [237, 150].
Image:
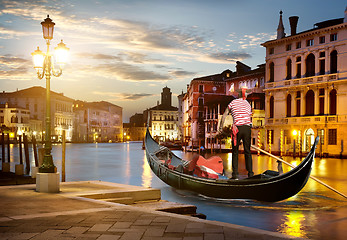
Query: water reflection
[147, 174]
[293, 224]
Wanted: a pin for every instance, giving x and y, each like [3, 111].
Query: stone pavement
[27, 214]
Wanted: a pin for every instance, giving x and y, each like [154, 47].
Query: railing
[307, 120]
[304, 81]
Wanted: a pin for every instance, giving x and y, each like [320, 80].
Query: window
[332, 98]
[322, 54]
[289, 105]
[309, 42]
[333, 62]
[271, 51]
[298, 103]
[272, 107]
[289, 69]
[321, 136]
[321, 66]
[298, 67]
[272, 72]
[289, 47]
[309, 103]
[287, 136]
[2, 119]
[332, 136]
[310, 65]
[333, 37]
[321, 101]
[201, 102]
[298, 45]
[201, 88]
[322, 39]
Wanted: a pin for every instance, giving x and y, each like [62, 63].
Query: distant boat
[268, 187]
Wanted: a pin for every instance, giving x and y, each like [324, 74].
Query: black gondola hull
[269, 190]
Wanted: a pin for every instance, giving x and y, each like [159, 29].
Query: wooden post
[8, 148]
[35, 151]
[20, 150]
[63, 158]
[3, 147]
[26, 153]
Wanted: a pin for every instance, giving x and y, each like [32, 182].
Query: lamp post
[43, 63]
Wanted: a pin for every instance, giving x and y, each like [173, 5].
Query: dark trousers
[244, 134]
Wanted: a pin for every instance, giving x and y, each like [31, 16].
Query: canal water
[316, 212]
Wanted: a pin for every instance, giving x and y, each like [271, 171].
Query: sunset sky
[126, 51]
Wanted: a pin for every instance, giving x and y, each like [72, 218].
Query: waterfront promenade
[27, 214]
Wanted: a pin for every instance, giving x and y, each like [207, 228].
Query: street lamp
[43, 63]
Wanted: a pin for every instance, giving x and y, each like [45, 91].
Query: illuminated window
[321, 136]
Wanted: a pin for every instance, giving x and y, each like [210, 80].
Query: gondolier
[241, 112]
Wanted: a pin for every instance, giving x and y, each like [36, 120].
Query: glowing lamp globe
[61, 54]
[38, 58]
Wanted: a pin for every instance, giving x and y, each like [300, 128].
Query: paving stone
[108, 237]
[195, 225]
[193, 238]
[100, 227]
[22, 236]
[154, 232]
[76, 230]
[119, 225]
[142, 222]
[212, 236]
[179, 227]
[131, 236]
[161, 220]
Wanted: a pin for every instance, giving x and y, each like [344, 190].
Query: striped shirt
[241, 111]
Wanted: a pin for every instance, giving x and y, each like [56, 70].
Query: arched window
[332, 98]
[298, 103]
[333, 62]
[289, 69]
[310, 65]
[272, 72]
[289, 105]
[272, 107]
[309, 103]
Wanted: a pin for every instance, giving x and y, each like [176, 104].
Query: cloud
[14, 67]
[182, 73]
[230, 56]
[124, 96]
[122, 72]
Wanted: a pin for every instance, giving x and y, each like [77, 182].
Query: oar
[291, 165]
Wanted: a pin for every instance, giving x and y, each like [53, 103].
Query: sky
[126, 51]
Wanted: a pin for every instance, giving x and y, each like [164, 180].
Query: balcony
[307, 120]
[306, 81]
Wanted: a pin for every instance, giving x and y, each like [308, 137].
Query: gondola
[262, 187]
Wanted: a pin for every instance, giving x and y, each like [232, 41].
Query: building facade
[33, 100]
[163, 118]
[306, 86]
[97, 122]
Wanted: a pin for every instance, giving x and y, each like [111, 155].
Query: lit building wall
[306, 85]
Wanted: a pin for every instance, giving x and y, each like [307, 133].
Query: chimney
[293, 20]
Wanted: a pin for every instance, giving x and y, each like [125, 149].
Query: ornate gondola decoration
[263, 187]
